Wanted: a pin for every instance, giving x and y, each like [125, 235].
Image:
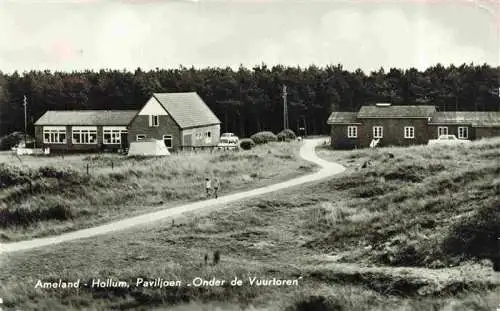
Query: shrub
[11, 175]
[25, 216]
[286, 135]
[247, 144]
[65, 174]
[476, 237]
[263, 137]
[11, 140]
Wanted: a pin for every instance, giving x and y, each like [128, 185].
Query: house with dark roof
[179, 119]
[403, 125]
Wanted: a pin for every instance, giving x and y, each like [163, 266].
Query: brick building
[404, 125]
[179, 119]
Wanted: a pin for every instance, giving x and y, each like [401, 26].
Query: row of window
[463, 132]
[83, 136]
[54, 136]
[110, 136]
[113, 136]
[200, 135]
[409, 132]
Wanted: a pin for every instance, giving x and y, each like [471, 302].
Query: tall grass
[422, 205]
[62, 193]
[346, 236]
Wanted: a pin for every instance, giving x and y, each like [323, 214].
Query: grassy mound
[476, 238]
[378, 238]
[419, 206]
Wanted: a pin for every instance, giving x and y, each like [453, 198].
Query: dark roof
[342, 118]
[87, 117]
[473, 118]
[187, 109]
[402, 111]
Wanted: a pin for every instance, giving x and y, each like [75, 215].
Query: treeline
[250, 100]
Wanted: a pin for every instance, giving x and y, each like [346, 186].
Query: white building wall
[153, 108]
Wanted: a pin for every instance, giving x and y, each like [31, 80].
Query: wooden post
[87, 168]
[112, 165]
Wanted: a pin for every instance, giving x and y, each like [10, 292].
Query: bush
[247, 144]
[263, 137]
[286, 135]
[11, 175]
[11, 140]
[476, 237]
[25, 216]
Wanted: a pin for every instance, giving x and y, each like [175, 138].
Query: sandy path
[307, 152]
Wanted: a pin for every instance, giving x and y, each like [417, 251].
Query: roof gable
[153, 107]
[187, 109]
[87, 117]
[398, 111]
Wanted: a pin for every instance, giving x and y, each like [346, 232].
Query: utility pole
[499, 97]
[285, 109]
[25, 122]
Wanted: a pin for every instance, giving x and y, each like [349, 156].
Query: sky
[67, 35]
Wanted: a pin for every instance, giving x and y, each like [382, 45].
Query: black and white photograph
[249, 155]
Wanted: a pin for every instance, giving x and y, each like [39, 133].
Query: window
[208, 137]
[352, 132]
[442, 130]
[82, 135]
[378, 132]
[198, 135]
[54, 135]
[409, 132]
[167, 139]
[463, 132]
[140, 137]
[112, 135]
[154, 121]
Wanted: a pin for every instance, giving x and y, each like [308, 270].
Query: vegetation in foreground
[43, 196]
[359, 243]
[419, 206]
[376, 239]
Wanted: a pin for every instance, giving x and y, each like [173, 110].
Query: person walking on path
[208, 186]
[216, 186]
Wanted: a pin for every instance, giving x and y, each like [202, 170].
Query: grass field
[414, 230]
[49, 195]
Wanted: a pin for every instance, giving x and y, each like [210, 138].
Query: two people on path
[212, 187]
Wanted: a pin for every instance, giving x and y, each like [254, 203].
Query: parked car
[448, 140]
[230, 136]
[226, 143]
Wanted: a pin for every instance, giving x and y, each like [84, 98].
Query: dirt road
[307, 152]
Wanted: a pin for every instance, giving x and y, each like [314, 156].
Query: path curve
[307, 152]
